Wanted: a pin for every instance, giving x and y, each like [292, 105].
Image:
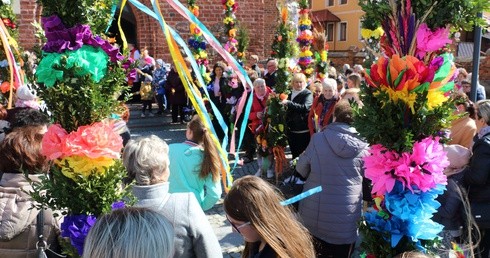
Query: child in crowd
[269, 229]
[196, 165]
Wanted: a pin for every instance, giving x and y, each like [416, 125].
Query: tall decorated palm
[80, 76]
[405, 113]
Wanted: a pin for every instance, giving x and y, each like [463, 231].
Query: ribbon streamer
[242, 75]
[195, 67]
[184, 74]
[301, 196]
[7, 42]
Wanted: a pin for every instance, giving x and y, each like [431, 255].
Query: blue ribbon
[194, 65]
[205, 31]
[113, 12]
[301, 196]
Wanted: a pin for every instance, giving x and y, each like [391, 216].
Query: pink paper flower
[428, 41]
[94, 141]
[53, 142]
[423, 167]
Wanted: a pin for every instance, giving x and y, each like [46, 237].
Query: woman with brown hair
[269, 229]
[196, 165]
[20, 152]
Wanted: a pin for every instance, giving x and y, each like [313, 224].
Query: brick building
[259, 17]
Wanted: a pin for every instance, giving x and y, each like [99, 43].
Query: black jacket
[450, 213]
[477, 176]
[297, 111]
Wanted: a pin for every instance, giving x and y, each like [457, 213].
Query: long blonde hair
[211, 163]
[254, 200]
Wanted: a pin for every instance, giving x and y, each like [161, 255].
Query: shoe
[270, 173]
[143, 115]
[258, 173]
[151, 115]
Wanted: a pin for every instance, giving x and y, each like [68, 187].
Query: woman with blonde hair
[298, 106]
[269, 229]
[196, 165]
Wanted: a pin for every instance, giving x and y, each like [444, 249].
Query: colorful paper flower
[76, 228]
[94, 141]
[423, 168]
[430, 41]
[84, 166]
[53, 142]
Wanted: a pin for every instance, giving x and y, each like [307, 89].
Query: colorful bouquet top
[80, 77]
[406, 110]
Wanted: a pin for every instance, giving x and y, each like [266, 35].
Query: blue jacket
[185, 165]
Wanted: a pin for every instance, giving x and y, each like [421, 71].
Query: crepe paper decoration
[423, 168]
[429, 41]
[86, 60]
[75, 166]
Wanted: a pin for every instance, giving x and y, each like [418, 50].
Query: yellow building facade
[341, 20]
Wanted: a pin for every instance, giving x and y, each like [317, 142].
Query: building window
[343, 31]
[329, 2]
[342, 1]
[330, 28]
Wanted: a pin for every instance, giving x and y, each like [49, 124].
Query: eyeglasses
[237, 228]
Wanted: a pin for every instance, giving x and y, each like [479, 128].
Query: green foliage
[94, 194]
[78, 101]
[282, 46]
[304, 4]
[456, 13]
[375, 12]
[393, 125]
[243, 41]
[96, 13]
[277, 124]
[459, 14]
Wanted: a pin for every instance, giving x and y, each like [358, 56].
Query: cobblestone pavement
[231, 242]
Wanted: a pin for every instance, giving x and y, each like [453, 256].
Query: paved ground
[231, 242]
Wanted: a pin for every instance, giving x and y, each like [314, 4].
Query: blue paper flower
[118, 205]
[76, 228]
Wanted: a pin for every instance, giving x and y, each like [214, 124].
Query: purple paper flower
[60, 39]
[76, 228]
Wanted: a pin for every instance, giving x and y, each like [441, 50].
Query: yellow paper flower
[192, 27]
[232, 33]
[228, 20]
[435, 98]
[323, 56]
[367, 33]
[309, 70]
[230, 3]
[305, 53]
[84, 165]
[407, 97]
[203, 54]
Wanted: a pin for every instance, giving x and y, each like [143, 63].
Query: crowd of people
[174, 184]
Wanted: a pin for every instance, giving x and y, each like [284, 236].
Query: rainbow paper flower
[403, 78]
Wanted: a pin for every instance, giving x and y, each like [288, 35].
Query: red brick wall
[29, 12]
[259, 16]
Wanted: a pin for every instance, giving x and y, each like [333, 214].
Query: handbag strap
[41, 244]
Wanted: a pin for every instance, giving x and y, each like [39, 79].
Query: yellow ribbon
[5, 42]
[185, 76]
[121, 32]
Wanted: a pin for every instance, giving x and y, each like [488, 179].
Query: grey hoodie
[333, 159]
